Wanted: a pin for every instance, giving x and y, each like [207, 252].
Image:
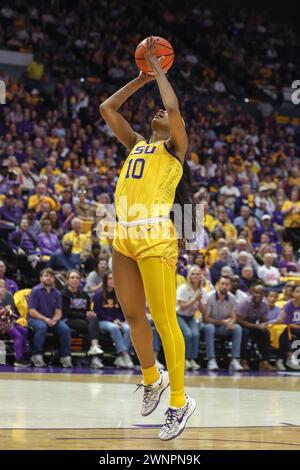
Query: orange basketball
[163, 48]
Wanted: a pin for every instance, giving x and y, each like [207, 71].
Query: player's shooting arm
[178, 139]
[109, 111]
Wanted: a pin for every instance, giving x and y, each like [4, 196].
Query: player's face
[160, 121]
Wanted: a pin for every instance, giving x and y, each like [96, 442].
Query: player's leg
[130, 292]
[160, 288]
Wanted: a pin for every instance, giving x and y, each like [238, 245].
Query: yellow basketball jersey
[147, 182]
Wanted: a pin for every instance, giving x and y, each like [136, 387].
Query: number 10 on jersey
[136, 169]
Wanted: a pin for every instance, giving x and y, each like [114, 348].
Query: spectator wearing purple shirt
[275, 320]
[252, 316]
[266, 227]
[109, 312]
[292, 312]
[10, 211]
[45, 313]
[47, 241]
[24, 243]
[10, 285]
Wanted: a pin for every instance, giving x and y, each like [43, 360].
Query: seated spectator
[66, 217]
[213, 251]
[280, 334]
[286, 294]
[10, 212]
[288, 265]
[220, 320]
[222, 221]
[34, 226]
[230, 191]
[252, 316]
[291, 213]
[91, 262]
[81, 242]
[42, 195]
[269, 274]
[265, 228]
[242, 245]
[83, 208]
[55, 223]
[241, 220]
[292, 312]
[24, 243]
[225, 260]
[76, 309]
[94, 281]
[45, 314]
[64, 259]
[47, 241]
[199, 260]
[10, 326]
[10, 284]
[239, 295]
[111, 319]
[191, 298]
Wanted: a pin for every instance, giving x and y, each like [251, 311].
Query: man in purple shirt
[45, 312]
[252, 316]
[10, 212]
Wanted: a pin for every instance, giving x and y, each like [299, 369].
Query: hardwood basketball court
[99, 411]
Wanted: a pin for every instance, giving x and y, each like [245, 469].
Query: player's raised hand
[150, 54]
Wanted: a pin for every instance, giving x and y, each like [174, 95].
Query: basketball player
[145, 266]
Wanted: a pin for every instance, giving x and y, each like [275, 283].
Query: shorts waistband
[152, 220]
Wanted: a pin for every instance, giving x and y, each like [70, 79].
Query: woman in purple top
[109, 312]
[48, 241]
[288, 264]
[292, 312]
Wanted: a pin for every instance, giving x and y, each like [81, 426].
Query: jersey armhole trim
[173, 154]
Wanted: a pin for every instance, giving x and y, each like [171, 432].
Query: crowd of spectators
[60, 165]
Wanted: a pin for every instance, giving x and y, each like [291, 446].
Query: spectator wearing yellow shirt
[35, 70]
[36, 200]
[291, 213]
[223, 222]
[52, 163]
[81, 242]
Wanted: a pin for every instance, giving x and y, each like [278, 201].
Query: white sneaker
[235, 365]
[188, 365]
[159, 365]
[153, 392]
[95, 350]
[128, 362]
[212, 365]
[66, 362]
[194, 365]
[176, 420]
[120, 363]
[38, 361]
[96, 363]
[292, 363]
[280, 365]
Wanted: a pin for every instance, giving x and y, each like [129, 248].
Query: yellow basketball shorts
[144, 240]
